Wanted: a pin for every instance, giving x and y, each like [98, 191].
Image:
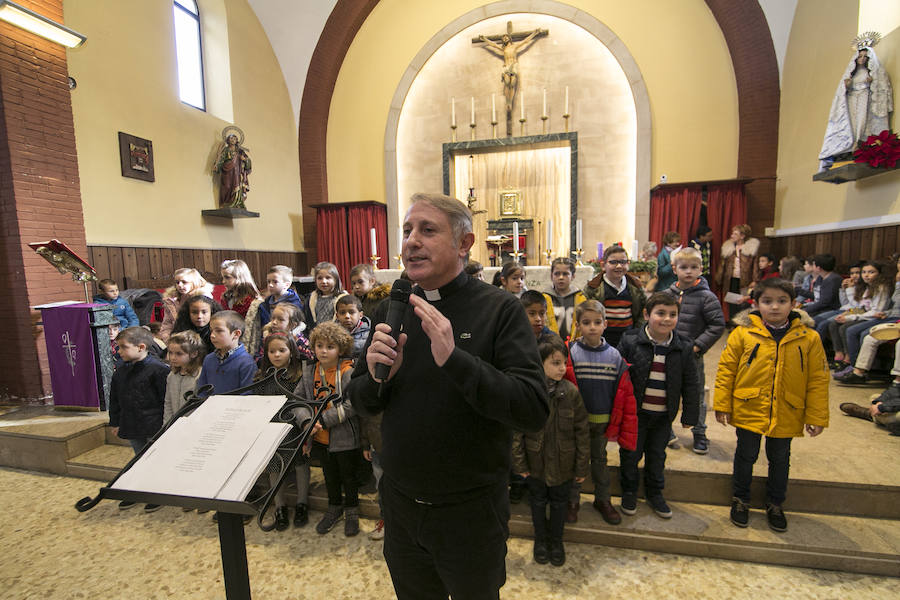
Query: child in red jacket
[602, 378]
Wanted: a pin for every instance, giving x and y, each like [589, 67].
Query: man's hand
[696, 349]
[874, 410]
[437, 327]
[723, 417]
[385, 350]
[814, 430]
[367, 454]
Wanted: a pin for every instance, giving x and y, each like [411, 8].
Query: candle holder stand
[549, 254]
[522, 126]
[494, 129]
[577, 253]
[453, 132]
[566, 117]
[516, 255]
[374, 260]
[544, 124]
[472, 130]
[399, 259]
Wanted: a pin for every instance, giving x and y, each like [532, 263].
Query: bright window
[189, 53]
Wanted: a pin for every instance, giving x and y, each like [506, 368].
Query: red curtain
[360, 220]
[726, 206]
[331, 238]
[675, 209]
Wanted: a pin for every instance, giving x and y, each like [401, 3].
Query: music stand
[230, 512]
[66, 261]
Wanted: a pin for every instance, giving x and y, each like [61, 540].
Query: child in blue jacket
[109, 294]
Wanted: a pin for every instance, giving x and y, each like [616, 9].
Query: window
[189, 54]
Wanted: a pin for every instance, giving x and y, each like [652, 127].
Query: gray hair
[457, 213]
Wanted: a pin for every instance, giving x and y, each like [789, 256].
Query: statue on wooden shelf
[510, 51]
[862, 103]
[233, 167]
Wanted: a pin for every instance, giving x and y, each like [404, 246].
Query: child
[873, 296]
[328, 289]
[767, 268]
[663, 370]
[701, 321]
[602, 378]
[671, 244]
[188, 282]
[551, 459]
[703, 244]
[278, 284]
[194, 315]
[772, 380]
[280, 351]
[535, 305]
[242, 296]
[825, 294]
[137, 394]
[158, 349]
[350, 316]
[512, 278]
[287, 318]
[336, 441]
[563, 298]
[622, 299]
[363, 285]
[789, 269]
[229, 367]
[475, 269]
[186, 353]
[109, 294]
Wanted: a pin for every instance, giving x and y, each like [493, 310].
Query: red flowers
[882, 150]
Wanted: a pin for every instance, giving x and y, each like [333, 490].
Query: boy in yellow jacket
[772, 381]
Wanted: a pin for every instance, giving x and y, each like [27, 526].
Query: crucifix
[509, 50]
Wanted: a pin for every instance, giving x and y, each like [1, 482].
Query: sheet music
[197, 456]
[257, 458]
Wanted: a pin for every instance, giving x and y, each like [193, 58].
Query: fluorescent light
[39, 25]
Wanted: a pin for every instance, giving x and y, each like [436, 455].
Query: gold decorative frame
[510, 203]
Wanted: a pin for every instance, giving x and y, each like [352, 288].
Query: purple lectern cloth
[70, 350]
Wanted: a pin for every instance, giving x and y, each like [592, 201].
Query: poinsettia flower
[879, 150]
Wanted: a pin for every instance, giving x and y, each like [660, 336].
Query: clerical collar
[445, 291]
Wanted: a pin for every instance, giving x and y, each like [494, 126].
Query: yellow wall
[127, 82]
[681, 53]
[817, 54]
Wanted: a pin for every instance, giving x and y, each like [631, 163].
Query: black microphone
[396, 310]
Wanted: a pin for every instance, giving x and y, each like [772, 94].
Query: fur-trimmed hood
[379, 292]
[205, 290]
[743, 318]
[750, 247]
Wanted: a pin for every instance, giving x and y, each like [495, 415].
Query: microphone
[396, 310]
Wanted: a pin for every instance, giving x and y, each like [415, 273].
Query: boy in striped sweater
[622, 299]
[663, 371]
[602, 379]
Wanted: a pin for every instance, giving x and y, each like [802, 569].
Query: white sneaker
[378, 532]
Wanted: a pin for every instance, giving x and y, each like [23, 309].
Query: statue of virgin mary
[862, 103]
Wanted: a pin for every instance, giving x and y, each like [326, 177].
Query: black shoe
[351, 521]
[701, 443]
[126, 504]
[557, 553]
[740, 512]
[330, 519]
[282, 519]
[629, 504]
[608, 511]
[301, 515]
[852, 378]
[149, 508]
[658, 503]
[775, 517]
[541, 551]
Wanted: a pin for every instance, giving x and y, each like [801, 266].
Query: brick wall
[40, 197]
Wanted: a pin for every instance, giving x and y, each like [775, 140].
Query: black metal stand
[234, 556]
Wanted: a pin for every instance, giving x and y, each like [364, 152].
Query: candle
[516, 237]
[634, 250]
[473, 110]
[599, 250]
[453, 111]
[550, 235]
[493, 109]
[372, 240]
[544, 112]
[566, 111]
[399, 240]
[578, 238]
[522, 107]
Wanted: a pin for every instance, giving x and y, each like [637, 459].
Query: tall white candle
[578, 238]
[522, 106]
[473, 110]
[453, 111]
[372, 240]
[515, 236]
[550, 234]
[566, 111]
[634, 250]
[399, 240]
[493, 108]
[544, 112]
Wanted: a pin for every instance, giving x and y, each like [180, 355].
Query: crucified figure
[510, 52]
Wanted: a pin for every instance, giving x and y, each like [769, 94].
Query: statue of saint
[233, 167]
[862, 103]
[510, 51]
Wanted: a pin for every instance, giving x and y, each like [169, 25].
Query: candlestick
[453, 133]
[522, 126]
[544, 123]
[578, 238]
[400, 240]
[472, 131]
[493, 108]
[522, 107]
[453, 112]
[577, 253]
[549, 254]
[374, 260]
[550, 234]
[473, 111]
[544, 110]
[566, 121]
[515, 236]
[372, 241]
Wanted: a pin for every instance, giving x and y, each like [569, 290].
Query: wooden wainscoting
[147, 264]
[875, 243]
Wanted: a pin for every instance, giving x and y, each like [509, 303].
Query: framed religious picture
[136, 156]
[510, 203]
